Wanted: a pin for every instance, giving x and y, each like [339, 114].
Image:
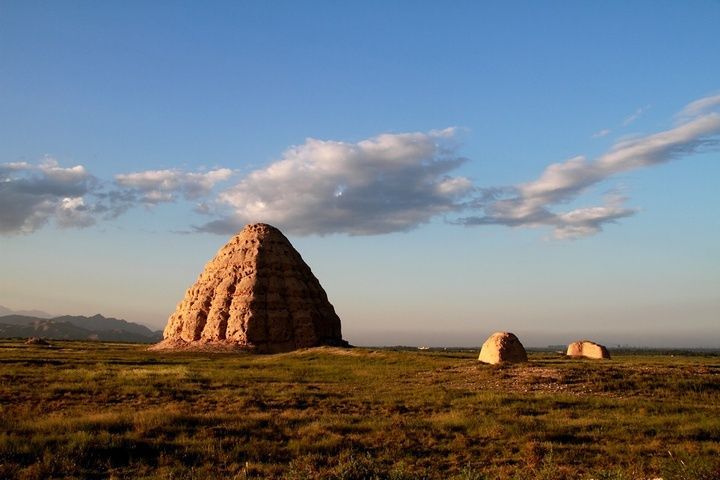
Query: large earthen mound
[502, 347]
[256, 294]
[588, 349]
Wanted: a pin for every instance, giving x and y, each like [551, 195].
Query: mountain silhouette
[69, 327]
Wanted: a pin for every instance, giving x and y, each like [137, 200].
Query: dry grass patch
[90, 410]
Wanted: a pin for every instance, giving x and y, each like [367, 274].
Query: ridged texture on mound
[588, 349]
[502, 347]
[256, 293]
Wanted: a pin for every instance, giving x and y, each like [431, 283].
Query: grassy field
[93, 410]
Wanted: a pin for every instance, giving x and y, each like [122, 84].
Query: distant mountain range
[31, 313]
[69, 327]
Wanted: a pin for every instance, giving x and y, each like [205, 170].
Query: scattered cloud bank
[32, 195]
[388, 183]
[528, 204]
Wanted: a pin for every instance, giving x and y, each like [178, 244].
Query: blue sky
[447, 170]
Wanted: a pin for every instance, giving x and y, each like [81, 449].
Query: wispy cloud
[601, 133]
[529, 204]
[388, 183]
[635, 115]
[699, 107]
[625, 123]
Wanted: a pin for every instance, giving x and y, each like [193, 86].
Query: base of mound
[171, 344]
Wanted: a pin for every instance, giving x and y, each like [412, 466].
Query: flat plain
[104, 410]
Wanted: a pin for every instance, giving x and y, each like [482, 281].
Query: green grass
[93, 410]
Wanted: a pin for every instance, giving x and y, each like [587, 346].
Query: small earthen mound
[502, 347]
[37, 341]
[257, 294]
[587, 349]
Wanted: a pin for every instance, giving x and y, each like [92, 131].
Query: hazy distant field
[89, 410]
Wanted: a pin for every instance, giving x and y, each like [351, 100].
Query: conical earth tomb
[257, 294]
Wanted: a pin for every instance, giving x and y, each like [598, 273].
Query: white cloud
[72, 212]
[388, 183]
[583, 222]
[158, 186]
[528, 204]
[31, 195]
